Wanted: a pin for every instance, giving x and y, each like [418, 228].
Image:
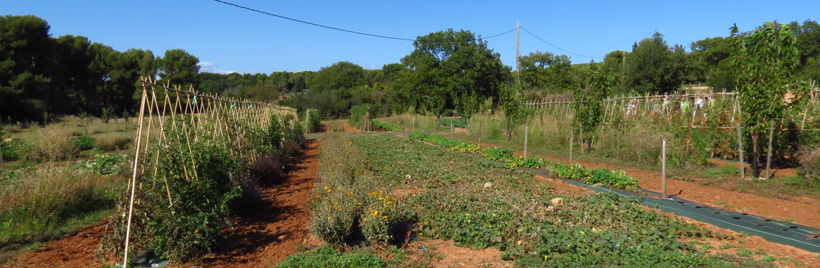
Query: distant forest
[42, 76]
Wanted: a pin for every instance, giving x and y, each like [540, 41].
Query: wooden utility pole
[518, 51]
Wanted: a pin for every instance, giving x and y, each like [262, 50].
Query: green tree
[180, 68]
[451, 70]
[765, 61]
[512, 102]
[654, 67]
[24, 61]
[589, 105]
[339, 76]
[544, 70]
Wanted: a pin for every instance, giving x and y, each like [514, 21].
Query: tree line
[446, 71]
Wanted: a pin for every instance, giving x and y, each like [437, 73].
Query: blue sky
[227, 38]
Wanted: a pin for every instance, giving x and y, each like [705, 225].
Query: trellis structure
[165, 110]
[621, 107]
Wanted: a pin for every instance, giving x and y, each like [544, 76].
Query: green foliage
[513, 214]
[10, 150]
[455, 145]
[654, 67]
[106, 164]
[497, 153]
[546, 71]
[387, 127]
[765, 61]
[360, 116]
[614, 178]
[179, 68]
[512, 100]
[589, 108]
[327, 256]
[313, 122]
[456, 122]
[451, 70]
[85, 142]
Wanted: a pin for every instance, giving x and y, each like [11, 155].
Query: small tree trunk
[769, 153]
[755, 171]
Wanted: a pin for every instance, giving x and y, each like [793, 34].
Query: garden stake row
[166, 110]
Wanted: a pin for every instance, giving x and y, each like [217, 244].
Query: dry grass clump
[50, 144]
[113, 143]
[41, 199]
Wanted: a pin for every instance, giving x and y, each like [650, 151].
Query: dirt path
[279, 229]
[800, 209]
[266, 237]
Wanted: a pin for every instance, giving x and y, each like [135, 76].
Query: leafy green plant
[455, 122]
[85, 142]
[10, 150]
[387, 127]
[328, 256]
[497, 153]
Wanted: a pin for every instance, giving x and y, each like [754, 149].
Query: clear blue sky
[227, 38]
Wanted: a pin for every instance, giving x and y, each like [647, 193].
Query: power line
[334, 28]
[497, 35]
[564, 50]
[313, 24]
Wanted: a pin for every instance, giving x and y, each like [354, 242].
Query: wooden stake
[134, 181]
[571, 131]
[663, 168]
[526, 134]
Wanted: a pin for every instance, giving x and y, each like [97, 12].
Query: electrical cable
[564, 50]
[497, 35]
[313, 24]
[335, 28]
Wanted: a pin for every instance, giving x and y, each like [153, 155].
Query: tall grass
[50, 144]
[41, 200]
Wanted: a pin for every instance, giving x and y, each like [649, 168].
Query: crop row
[482, 203]
[387, 126]
[611, 178]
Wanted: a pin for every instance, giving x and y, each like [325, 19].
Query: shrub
[84, 142]
[313, 122]
[360, 116]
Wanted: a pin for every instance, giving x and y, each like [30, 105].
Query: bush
[84, 142]
[313, 122]
[360, 116]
